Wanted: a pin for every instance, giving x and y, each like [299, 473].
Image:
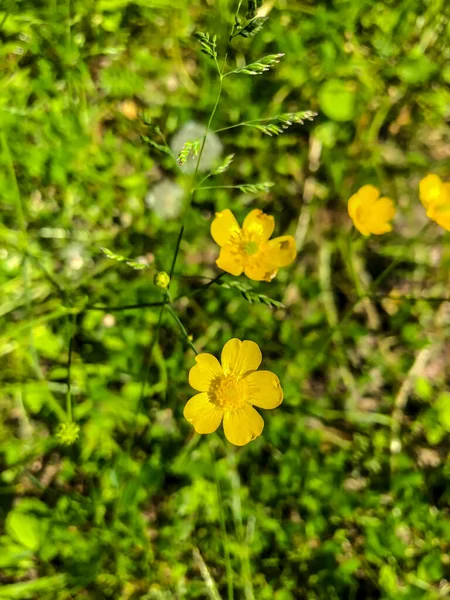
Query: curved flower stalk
[228, 392]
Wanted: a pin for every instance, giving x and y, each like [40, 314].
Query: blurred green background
[346, 493]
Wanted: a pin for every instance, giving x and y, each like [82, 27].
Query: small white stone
[165, 199]
[211, 152]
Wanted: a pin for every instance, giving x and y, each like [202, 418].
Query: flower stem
[182, 328]
[71, 326]
[223, 528]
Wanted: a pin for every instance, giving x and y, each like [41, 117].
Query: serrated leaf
[207, 44]
[254, 188]
[224, 166]
[252, 27]
[153, 144]
[262, 65]
[113, 255]
[189, 148]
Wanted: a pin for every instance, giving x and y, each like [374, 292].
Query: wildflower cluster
[229, 390]
[372, 215]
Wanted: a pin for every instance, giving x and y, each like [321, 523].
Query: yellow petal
[264, 389]
[202, 414]
[380, 228]
[381, 213]
[224, 226]
[384, 208]
[431, 190]
[243, 425]
[206, 369]
[240, 357]
[353, 204]
[261, 271]
[441, 215]
[368, 194]
[259, 224]
[280, 251]
[230, 261]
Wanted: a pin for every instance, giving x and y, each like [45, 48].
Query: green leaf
[113, 255]
[337, 100]
[188, 149]
[254, 188]
[259, 67]
[24, 528]
[224, 166]
[252, 297]
[207, 44]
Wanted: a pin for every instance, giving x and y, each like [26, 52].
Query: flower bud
[162, 280]
[68, 433]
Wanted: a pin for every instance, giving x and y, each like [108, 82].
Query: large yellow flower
[229, 392]
[435, 196]
[249, 249]
[369, 212]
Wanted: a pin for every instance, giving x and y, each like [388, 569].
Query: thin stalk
[123, 307]
[221, 187]
[71, 326]
[148, 357]
[245, 123]
[17, 195]
[119, 308]
[181, 327]
[178, 244]
[223, 529]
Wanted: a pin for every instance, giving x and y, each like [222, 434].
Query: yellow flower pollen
[228, 392]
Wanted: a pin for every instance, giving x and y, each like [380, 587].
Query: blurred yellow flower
[229, 392]
[369, 212]
[249, 249]
[435, 196]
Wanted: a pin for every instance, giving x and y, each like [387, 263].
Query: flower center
[228, 392]
[251, 248]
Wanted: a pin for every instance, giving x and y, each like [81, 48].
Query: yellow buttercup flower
[369, 212]
[228, 392]
[249, 249]
[435, 196]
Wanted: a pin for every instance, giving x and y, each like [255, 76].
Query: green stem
[246, 123]
[148, 357]
[182, 328]
[223, 529]
[17, 195]
[198, 290]
[71, 325]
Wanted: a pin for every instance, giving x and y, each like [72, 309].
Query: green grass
[346, 493]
